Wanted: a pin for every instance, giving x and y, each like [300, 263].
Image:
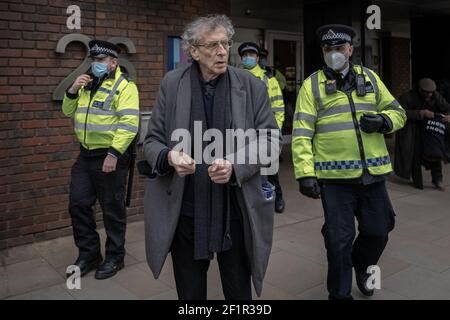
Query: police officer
[264, 63]
[340, 156]
[249, 53]
[105, 109]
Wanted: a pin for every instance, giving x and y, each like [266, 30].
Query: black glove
[309, 187]
[371, 123]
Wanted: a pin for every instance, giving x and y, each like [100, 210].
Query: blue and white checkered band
[249, 48]
[97, 50]
[331, 35]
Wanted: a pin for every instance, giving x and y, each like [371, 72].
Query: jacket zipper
[85, 120]
[358, 131]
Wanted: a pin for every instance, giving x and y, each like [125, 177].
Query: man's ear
[112, 63]
[350, 51]
[194, 53]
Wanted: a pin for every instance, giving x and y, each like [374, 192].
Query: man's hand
[427, 114]
[309, 187]
[182, 163]
[446, 118]
[109, 165]
[371, 123]
[220, 171]
[81, 81]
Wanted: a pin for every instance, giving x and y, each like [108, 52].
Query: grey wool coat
[250, 108]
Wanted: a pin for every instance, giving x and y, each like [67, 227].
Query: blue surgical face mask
[249, 62]
[99, 69]
[263, 62]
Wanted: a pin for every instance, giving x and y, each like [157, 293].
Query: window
[175, 53]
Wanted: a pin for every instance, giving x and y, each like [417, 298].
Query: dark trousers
[275, 180]
[88, 184]
[434, 166]
[372, 208]
[191, 275]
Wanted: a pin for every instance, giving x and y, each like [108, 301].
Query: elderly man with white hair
[195, 209]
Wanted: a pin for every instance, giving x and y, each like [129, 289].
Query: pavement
[415, 264]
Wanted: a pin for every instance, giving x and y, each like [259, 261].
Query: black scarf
[211, 200]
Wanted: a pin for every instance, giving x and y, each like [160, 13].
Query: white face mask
[335, 60]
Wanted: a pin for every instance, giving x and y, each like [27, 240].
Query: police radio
[360, 84]
[330, 87]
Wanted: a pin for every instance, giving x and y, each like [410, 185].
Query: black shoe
[86, 265]
[361, 282]
[108, 269]
[279, 205]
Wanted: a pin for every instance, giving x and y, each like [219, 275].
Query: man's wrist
[71, 94]
[113, 152]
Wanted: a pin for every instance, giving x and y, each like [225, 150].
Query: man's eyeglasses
[214, 45]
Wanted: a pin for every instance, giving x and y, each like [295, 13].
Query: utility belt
[102, 152]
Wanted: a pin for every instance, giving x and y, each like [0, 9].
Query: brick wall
[400, 64]
[37, 144]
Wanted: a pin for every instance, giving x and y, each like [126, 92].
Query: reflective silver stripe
[394, 105]
[374, 83]
[346, 108]
[101, 112]
[304, 116]
[332, 127]
[365, 107]
[81, 109]
[96, 111]
[334, 110]
[101, 89]
[303, 133]
[276, 98]
[316, 90]
[266, 80]
[105, 127]
[110, 97]
[95, 127]
[278, 109]
[128, 127]
[127, 112]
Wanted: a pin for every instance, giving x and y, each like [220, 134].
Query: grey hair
[192, 32]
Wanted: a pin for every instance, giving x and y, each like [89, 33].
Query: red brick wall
[400, 66]
[37, 144]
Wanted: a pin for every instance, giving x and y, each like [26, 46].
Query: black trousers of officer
[191, 275]
[88, 184]
[372, 208]
[275, 180]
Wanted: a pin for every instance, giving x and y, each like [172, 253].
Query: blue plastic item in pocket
[268, 190]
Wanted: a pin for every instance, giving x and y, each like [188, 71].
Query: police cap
[101, 49]
[335, 34]
[248, 46]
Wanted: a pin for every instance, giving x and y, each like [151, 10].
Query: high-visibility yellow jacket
[274, 91]
[327, 141]
[281, 79]
[108, 119]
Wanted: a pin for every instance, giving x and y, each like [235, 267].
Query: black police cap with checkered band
[335, 34]
[100, 49]
[248, 46]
